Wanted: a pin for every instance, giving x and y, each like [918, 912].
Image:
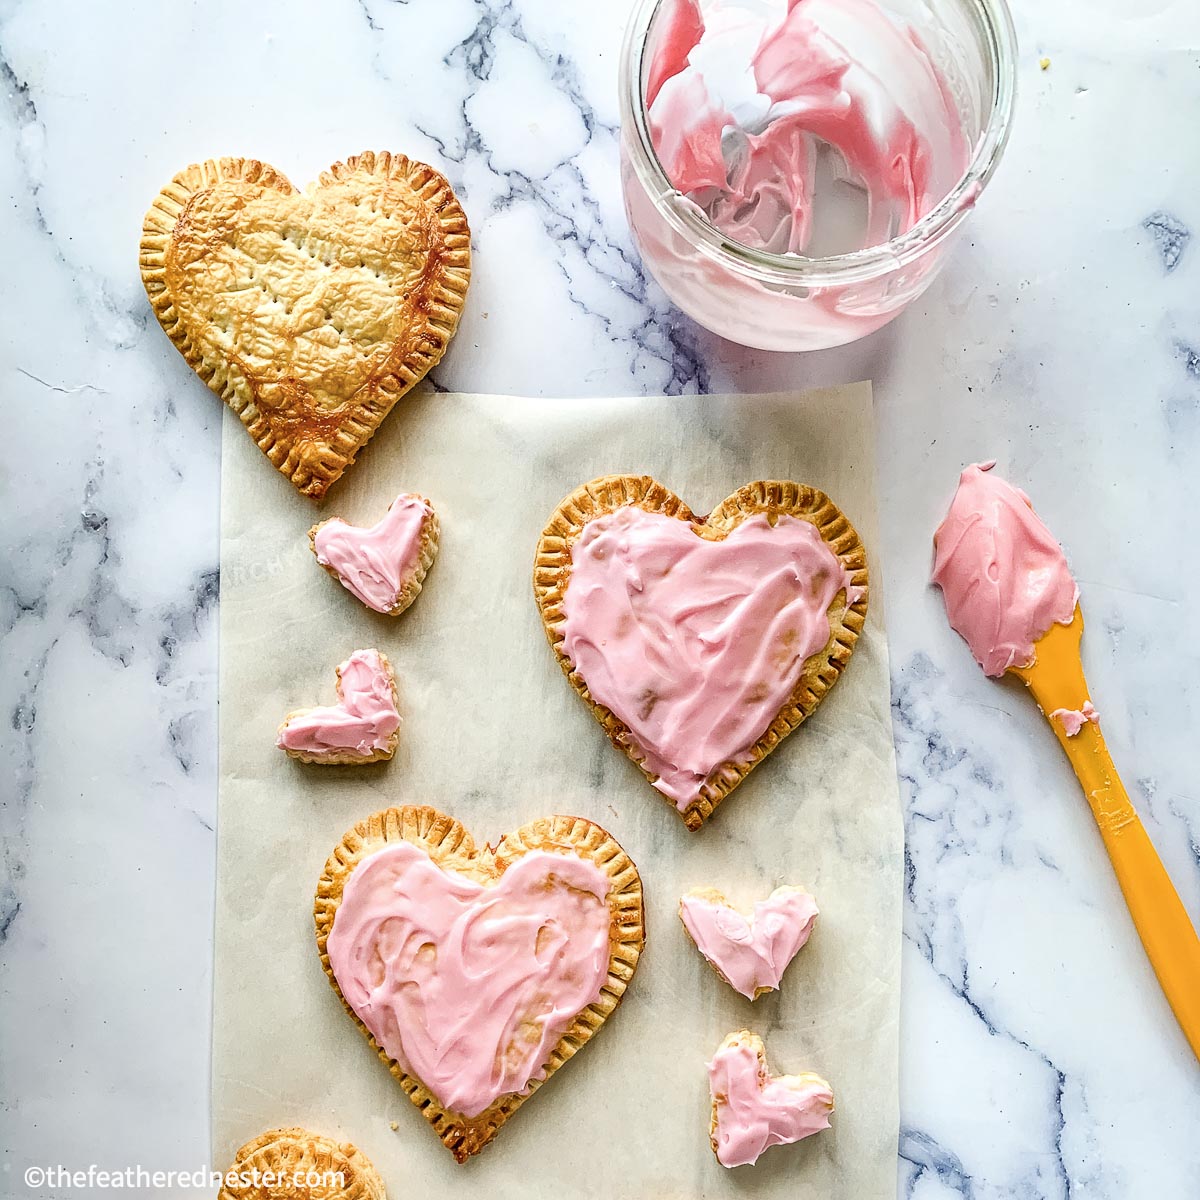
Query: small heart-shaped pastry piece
[383, 565]
[700, 642]
[749, 953]
[309, 313]
[477, 972]
[753, 1110]
[362, 727]
[294, 1164]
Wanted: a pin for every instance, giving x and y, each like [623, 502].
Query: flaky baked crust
[552, 573]
[347, 758]
[452, 848]
[288, 1156]
[427, 550]
[309, 313]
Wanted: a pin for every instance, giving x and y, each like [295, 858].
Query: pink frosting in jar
[361, 722]
[469, 987]
[375, 564]
[743, 98]
[695, 644]
[1004, 578]
[752, 953]
[755, 1111]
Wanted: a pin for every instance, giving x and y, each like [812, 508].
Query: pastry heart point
[477, 973]
[385, 564]
[749, 953]
[752, 1110]
[363, 726]
[700, 642]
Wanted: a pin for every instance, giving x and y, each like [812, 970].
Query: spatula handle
[1158, 914]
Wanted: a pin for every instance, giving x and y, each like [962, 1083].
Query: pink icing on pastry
[755, 1111]
[469, 987]
[361, 722]
[1074, 719]
[1003, 577]
[741, 96]
[695, 644]
[376, 563]
[750, 954]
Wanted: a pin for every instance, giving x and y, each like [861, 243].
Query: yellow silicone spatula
[1056, 680]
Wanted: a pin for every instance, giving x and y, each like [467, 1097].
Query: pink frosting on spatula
[696, 644]
[469, 987]
[1004, 578]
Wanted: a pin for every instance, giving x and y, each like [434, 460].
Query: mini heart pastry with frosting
[362, 727]
[700, 642]
[309, 313]
[749, 953]
[753, 1110]
[383, 565]
[476, 973]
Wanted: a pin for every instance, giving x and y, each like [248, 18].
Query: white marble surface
[1064, 338]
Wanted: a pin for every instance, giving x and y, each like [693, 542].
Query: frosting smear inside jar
[806, 127]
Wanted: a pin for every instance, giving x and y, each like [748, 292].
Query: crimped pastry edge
[289, 1150]
[346, 758]
[451, 847]
[427, 549]
[552, 570]
[448, 296]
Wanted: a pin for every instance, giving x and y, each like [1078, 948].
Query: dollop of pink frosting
[1074, 719]
[695, 644]
[741, 96]
[361, 722]
[469, 987]
[1004, 578]
[376, 563]
[750, 953]
[755, 1111]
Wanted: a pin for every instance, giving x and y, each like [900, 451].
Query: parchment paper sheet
[494, 735]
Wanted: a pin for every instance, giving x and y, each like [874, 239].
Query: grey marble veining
[1063, 338]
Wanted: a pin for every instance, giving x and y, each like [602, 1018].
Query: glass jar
[787, 301]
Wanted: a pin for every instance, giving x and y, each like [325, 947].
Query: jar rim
[993, 19]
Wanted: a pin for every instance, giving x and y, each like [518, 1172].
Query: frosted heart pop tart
[1010, 594]
[700, 642]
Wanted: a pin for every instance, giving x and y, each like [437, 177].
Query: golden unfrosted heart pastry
[700, 643]
[294, 1164]
[309, 313]
[476, 972]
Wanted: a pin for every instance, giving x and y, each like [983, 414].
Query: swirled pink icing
[1074, 719]
[742, 96]
[469, 987]
[1004, 578]
[695, 644]
[754, 1110]
[361, 722]
[375, 563]
[751, 953]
